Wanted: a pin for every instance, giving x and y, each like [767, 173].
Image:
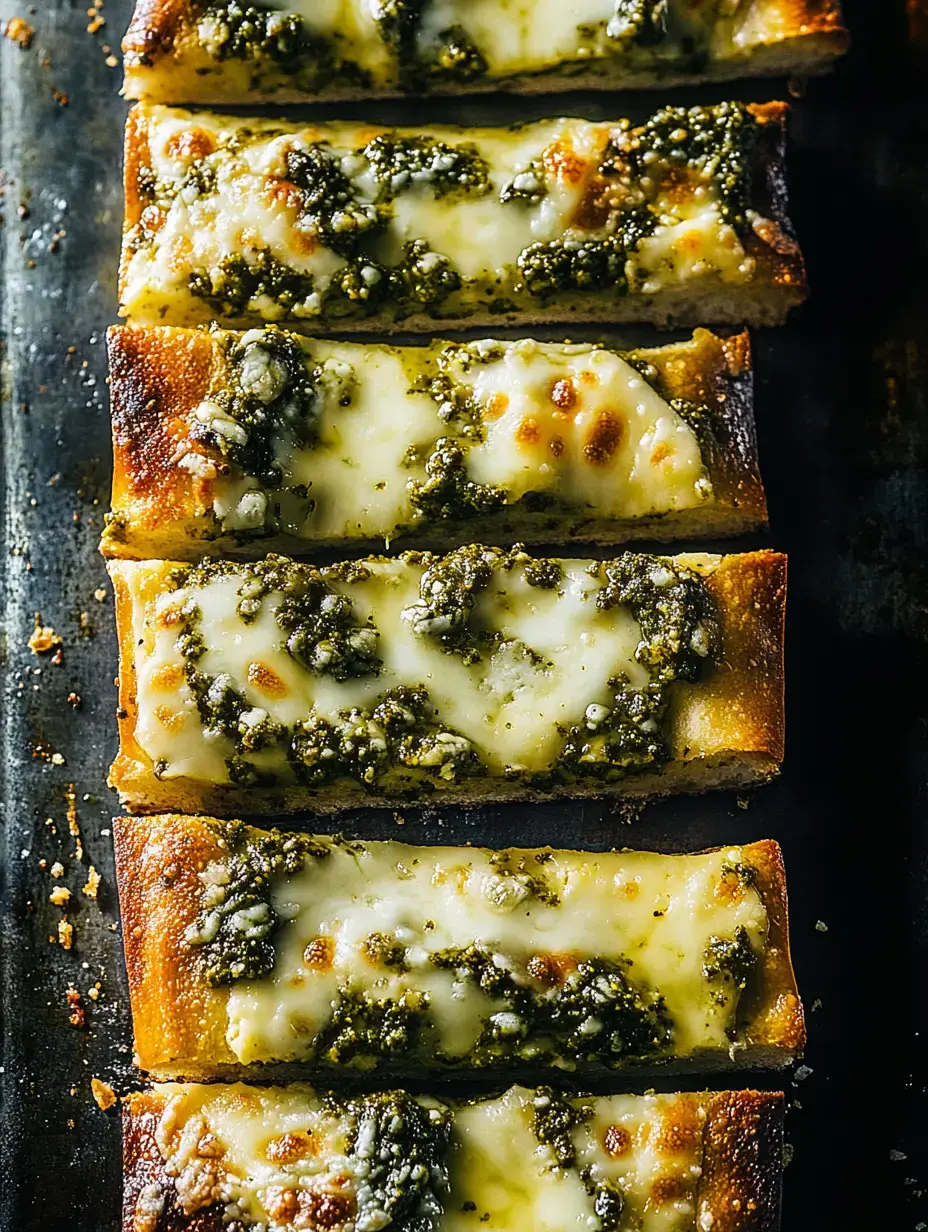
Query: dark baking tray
[843, 424]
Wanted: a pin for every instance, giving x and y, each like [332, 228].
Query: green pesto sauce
[596, 1016]
[278, 45]
[554, 1120]
[235, 927]
[399, 1151]
[400, 745]
[715, 145]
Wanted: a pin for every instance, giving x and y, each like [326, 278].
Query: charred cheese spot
[323, 1210]
[266, 680]
[551, 969]
[661, 453]
[528, 431]
[603, 439]
[289, 1147]
[189, 144]
[564, 394]
[631, 889]
[589, 377]
[668, 1189]
[167, 678]
[209, 1147]
[616, 1141]
[556, 446]
[561, 162]
[496, 406]
[596, 206]
[170, 720]
[730, 888]
[281, 1205]
[169, 616]
[319, 953]
[679, 1129]
[153, 219]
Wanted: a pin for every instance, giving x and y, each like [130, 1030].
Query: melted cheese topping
[253, 208]
[515, 37]
[270, 1154]
[557, 654]
[573, 422]
[658, 911]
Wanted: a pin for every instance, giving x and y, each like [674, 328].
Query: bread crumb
[18, 30]
[59, 896]
[44, 638]
[65, 934]
[76, 1010]
[57, 759]
[57, 869]
[93, 882]
[99, 594]
[103, 1093]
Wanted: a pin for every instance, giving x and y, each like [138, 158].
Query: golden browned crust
[175, 1012]
[160, 374]
[726, 730]
[739, 1186]
[742, 1162]
[741, 704]
[180, 1022]
[777, 285]
[165, 62]
[145, 1178]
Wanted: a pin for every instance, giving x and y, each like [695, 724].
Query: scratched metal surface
[843, 426]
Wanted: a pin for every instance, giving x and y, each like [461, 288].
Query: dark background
[843, 425]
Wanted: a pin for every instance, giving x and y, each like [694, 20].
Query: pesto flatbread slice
[225, 51]
[484, 674]
[267, 949]
[293, 1159]
[680, 220]
[241, 444]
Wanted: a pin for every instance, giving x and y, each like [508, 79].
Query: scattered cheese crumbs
[60, 896]
[57, 869]
[821, 926]
[93, 882]
[44, 638]
[65, 934]
[111, 62]
[802, 1073]
[103, 1093]
[76, 1010]
[94, 993]
[99, 594]
[57, 759]
[18, 30]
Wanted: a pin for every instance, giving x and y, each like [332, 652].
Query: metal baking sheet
[843, 424]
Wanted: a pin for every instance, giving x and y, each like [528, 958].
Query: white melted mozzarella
[508, 706]
[269, 1154]
[254, 208]
[575, 422]
[658, 911]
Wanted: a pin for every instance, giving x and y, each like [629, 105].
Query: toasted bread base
[723, 731]
[739, 1186]
[181, 1021]
[159, 376]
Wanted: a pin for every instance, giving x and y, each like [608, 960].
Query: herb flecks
[679, 635]
[235, 927]
[554, 1122]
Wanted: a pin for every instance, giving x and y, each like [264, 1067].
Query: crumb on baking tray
[93, 883]
[60, 896]
[65, 934]
[18, 30]
[44, 638]
[103, 1093]
[76, 1015]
